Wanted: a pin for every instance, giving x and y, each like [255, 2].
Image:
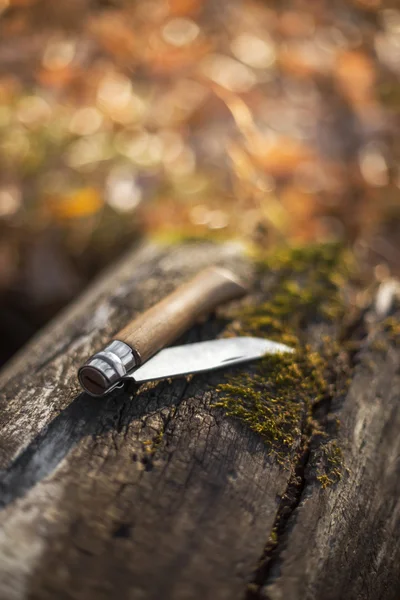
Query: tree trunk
[155, 493]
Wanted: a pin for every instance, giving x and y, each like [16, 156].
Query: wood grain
[155, 494]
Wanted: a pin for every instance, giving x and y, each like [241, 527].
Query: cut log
[156, 493]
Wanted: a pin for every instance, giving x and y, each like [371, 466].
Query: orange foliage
[355, 77]
[281, 155]
[81, 203]
[115, 35]
[184, 7]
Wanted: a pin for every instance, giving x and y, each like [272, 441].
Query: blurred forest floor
[262, 121]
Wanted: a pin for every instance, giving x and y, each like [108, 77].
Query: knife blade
[205, 356]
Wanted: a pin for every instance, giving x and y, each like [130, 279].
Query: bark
[153, 493]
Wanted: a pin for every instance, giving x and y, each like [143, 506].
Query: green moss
[310, 279]
[273, 537]
[389, 94]
[276, 401]
[331, 466]
[301, 259]
[158, 439]
[277, 398]
[392, 326]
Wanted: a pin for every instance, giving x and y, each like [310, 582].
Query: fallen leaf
[81, 203]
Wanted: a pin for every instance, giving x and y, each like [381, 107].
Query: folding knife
[137, 354]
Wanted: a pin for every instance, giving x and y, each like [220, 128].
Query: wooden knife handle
[169, 318]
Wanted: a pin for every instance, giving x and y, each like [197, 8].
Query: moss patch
[331, 467]
[276, 400]
[310, 282]
[392, 326]
[389, 94]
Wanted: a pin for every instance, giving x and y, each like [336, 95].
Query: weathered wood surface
[154, 494]
[343, 542]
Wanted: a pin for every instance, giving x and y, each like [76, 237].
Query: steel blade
[205, 356]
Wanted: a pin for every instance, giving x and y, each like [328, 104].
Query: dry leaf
[84, 202]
